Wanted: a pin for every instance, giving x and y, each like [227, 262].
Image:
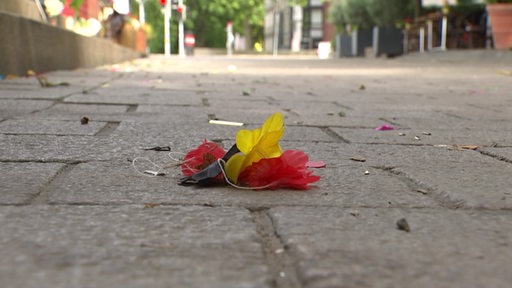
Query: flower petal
[199, 158]
[247, 139]
[289, 170]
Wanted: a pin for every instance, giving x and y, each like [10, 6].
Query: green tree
[368, 13]
[389, 12]
[208, 20]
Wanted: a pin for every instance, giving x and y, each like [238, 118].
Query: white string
[178, 161]
[221, 165]
[158, 171]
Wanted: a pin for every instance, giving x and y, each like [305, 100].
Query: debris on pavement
[358, 159]
[467, 147]
[154, 173]
[385, 127]
[402, 224]
[84, 120]
[227, 123]
[43, 81]
[151, 205]
[315, 164]
[158, 148]
[255, 162]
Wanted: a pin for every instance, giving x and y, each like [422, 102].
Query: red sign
[190, 40]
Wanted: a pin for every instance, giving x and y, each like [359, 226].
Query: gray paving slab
[21, 182]
[51, 127]
[114, 96]
[51, 148]
[103, 183]
[35, 91]
[426, 136]
[88, 246]
[15, 107]
[363, 247]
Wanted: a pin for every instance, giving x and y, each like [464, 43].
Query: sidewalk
[75, 213]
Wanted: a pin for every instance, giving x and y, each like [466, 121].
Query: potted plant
[500, 13]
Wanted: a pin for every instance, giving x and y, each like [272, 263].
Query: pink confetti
[385, 127]
[315, 164]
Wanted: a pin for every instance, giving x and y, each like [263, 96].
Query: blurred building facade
[296, 28]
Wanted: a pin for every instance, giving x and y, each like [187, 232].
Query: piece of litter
[282, 274]
[154, 173]
[505, 72]
[422, 191]
[279, 251]
[358, 159]
[151, 205]
[362, 87]
[354, 213]
[84, 120]
[228, 123]
[315, 164]
[402, 224]
[366, 172]
[158, 148]
[246, 92]
[384, 127]
[417, 138]
[401, 134]
[426, 133]
[467, 147]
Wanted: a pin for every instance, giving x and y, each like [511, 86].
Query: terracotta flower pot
[501, 24]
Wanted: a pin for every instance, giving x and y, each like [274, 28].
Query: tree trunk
[247, 34]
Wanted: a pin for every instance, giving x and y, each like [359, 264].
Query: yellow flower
[255, 145]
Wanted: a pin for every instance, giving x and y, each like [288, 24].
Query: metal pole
[167, 28]
[444, 32]
[142, 14]
[422, 40]
[181, 33]
[430, 34]
[275, 43]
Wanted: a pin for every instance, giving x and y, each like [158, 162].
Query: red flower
[288, 170]
[199, 158]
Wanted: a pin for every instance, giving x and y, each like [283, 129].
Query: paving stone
[51, 127]
[10, 108]
[23, 181]
[35, 91]
[144, 96]
[130, 246]
[363, 248]
[457, 177]
[88, 108]
[44, 148]
[418, 137]
[119, 182]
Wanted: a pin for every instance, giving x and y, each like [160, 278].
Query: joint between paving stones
[109, 127]
[332, 134]
[280, 262]
[495, 156]
[441, 197]
[41, 198]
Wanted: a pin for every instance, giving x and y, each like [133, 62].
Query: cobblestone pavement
[75, 213]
